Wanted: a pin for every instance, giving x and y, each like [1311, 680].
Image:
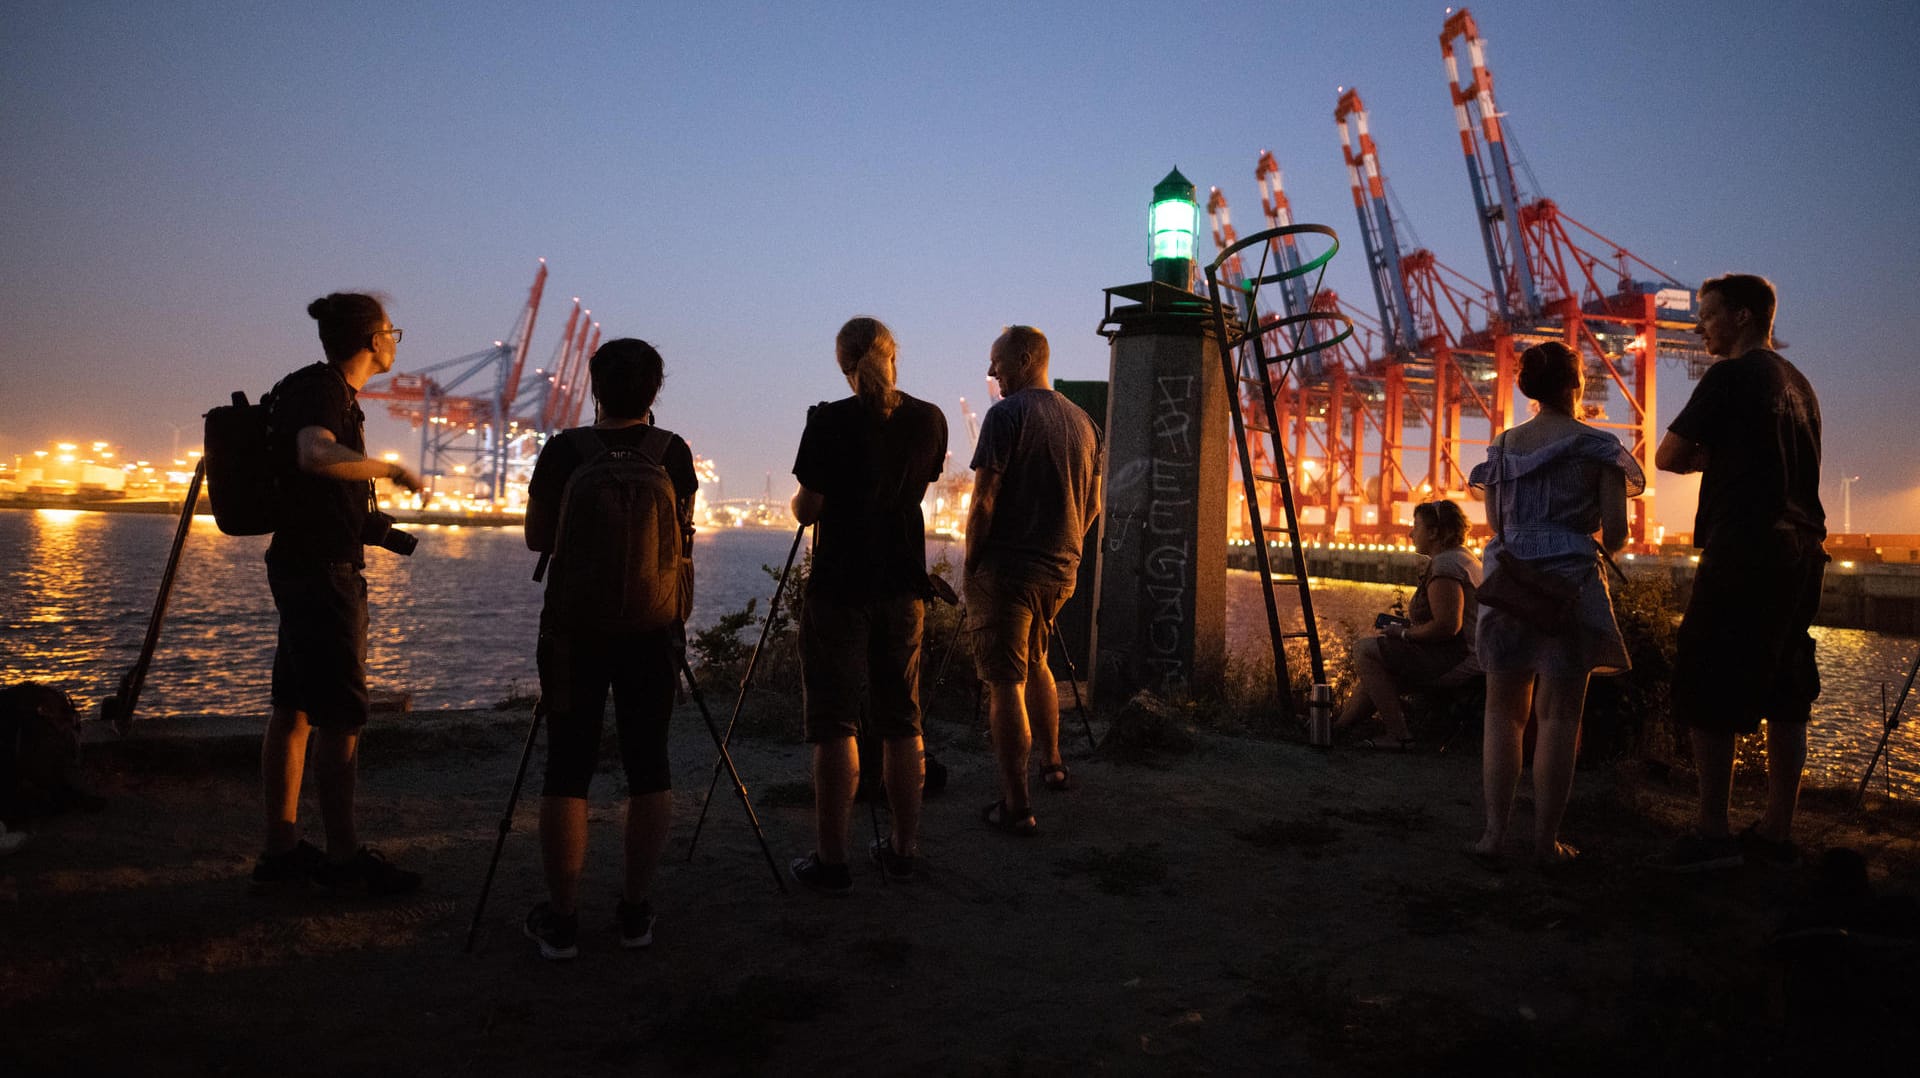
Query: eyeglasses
[395, 332]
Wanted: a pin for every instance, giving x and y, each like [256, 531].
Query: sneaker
[1761, 850]
[816, 875]
[557, 936]
[897, 866]
[1696, 853]
[287, 869]
[368, 873]
[636, 923]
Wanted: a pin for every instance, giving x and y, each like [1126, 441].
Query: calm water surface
[454, 625]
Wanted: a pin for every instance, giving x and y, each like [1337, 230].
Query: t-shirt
[872, 473]
[1760, 421]
[1047, 452]
[1451, 564]
[559, 458]
[320, 518]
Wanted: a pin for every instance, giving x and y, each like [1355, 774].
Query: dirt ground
[1245, 907]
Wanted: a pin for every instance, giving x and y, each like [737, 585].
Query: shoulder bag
[1521, 587]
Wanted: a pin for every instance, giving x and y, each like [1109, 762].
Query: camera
[379, 531]
[1383, 621]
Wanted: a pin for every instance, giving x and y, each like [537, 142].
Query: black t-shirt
[1760, 421]
[872, 471]
[559, 458]
[320, 518]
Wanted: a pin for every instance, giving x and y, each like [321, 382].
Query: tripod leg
[726, 761]
[773, 606]
[506, 825]
[1073, 676]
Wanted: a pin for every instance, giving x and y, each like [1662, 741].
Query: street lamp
[1846, 502]
[1170, 223]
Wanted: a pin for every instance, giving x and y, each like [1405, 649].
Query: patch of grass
[1128, 872]
[1309, 838]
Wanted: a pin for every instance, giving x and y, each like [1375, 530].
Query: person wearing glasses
[314, 568]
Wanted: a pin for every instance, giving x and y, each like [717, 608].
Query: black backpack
[242, 469]
[39, 752]
[620, 557]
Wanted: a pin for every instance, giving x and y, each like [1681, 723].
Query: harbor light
[1170, 224]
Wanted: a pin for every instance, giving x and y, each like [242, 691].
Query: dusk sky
[731, 182]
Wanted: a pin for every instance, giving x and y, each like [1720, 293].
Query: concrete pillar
[1160, 613]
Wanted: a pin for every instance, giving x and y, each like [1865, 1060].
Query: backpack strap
[585, 442]
[654, 445]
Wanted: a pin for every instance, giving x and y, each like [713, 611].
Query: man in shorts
[864, 464]
[1752, 428]
[1035, 494]
[314, 568]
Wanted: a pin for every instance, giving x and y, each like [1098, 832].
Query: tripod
[773, 607]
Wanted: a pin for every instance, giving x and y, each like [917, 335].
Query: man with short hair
[314, 568]
[1752, 428]
[1035, 494]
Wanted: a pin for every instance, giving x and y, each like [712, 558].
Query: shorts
[1414, 663]
[1010, 620]
[861, 657]
[577, 670]
[320, 657]
[1743, 651]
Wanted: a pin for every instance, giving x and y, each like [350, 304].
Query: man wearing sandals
[1035, 490]
[1752, 428]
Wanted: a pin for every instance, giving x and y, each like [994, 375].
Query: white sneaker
[11, 840]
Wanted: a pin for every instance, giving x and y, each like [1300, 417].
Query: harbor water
[454, 625]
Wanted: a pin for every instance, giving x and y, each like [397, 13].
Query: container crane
[428, 399]
[1547, 270]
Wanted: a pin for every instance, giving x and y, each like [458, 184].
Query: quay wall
[1880, 598]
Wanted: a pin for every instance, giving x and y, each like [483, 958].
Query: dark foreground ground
[1245, 907]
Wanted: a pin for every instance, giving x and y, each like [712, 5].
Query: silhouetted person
[1752, 428]
[581, 663]
[1551, 482]
[1035, 493]
[863, 466]
[314, 568]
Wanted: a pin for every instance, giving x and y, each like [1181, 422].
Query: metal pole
[773, 605]
[739, 787]
[506, 824]
[1892, 721]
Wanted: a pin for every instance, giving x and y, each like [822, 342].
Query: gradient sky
[733, 181]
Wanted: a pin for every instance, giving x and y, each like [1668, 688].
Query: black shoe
[898, 866]
[557, 936]
[367, 873]
[1693, 853]
[1757, 849]
[636, 923]
[286, 870]
[816, 875]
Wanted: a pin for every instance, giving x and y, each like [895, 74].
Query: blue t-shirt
[1047, 452]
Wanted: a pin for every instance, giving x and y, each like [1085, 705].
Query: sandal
[1001, 818]
[1056, 777]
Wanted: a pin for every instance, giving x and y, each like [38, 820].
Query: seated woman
[1438, 637]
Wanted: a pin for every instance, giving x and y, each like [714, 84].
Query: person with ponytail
[864, 465]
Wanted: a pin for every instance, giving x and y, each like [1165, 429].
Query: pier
[1855, 595]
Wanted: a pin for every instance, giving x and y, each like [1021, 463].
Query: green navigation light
[1170, 224]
